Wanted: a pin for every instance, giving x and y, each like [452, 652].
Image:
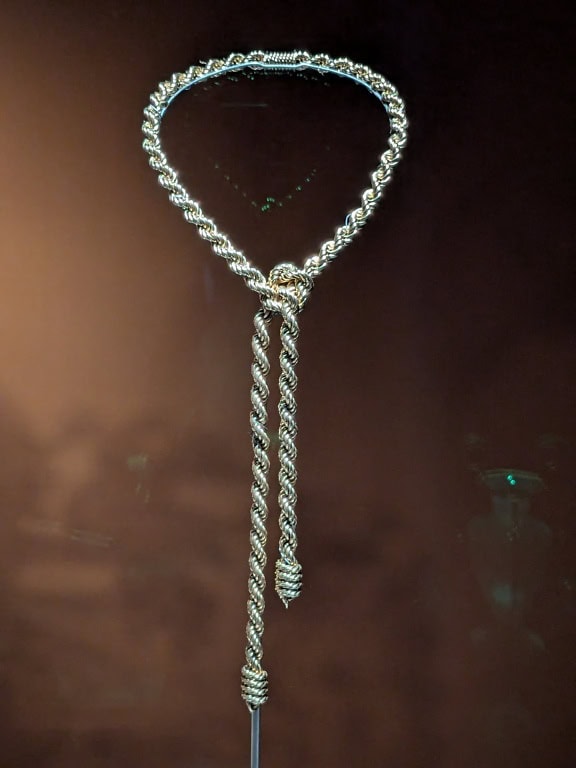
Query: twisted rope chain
[255, 679]
[283, 292]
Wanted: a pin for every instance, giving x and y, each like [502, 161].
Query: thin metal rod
[255, 739]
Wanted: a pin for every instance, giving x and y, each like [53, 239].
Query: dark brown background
[442, 340]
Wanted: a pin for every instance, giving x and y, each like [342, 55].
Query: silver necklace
[283, 292]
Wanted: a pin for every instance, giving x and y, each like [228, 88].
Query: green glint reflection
[503, 595]
[511, 479]
[270, 202]
[137, 462]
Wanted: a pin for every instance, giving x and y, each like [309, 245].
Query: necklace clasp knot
[288, 284]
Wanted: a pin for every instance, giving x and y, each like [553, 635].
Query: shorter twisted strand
[288, 570]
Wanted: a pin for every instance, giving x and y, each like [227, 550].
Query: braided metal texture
[168, 90]
[254, 678]
[288, 570]
[283, 292]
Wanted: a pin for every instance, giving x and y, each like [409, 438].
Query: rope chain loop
[284, 292]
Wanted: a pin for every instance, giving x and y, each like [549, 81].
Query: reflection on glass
[508, 551]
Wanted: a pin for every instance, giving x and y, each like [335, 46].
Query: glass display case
[437, 364]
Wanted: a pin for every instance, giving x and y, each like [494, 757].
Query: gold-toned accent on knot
[288, 283]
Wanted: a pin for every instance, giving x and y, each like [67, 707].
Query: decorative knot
[286, 284]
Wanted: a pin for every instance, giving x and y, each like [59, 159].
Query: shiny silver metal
[168, 90]
[283, 292]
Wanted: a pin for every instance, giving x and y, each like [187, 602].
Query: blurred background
[437, 416]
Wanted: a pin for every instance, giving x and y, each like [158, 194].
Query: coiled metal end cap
[254, 687]
[288, 580]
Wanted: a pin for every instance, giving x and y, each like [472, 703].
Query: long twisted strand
[283, 292]
[254, 678]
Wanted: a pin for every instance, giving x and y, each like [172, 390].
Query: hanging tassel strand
[291, 287]
[287, 289]
[288, 569]
[254, 684]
